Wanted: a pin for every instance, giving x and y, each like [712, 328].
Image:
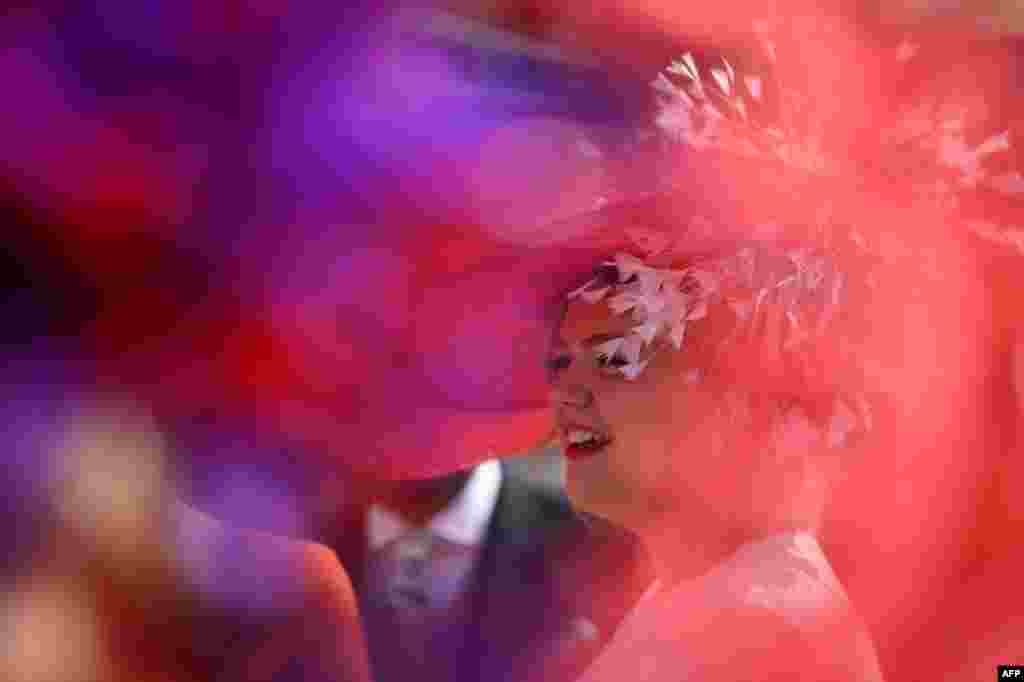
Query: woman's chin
[577, 489]
[593, 489]
[583, 503]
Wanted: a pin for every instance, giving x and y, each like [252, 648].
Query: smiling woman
[688, 414]
[718, 357]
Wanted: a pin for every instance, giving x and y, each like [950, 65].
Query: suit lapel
[513, 605]
[483, 647]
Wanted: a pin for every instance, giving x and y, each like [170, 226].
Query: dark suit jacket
[549, 588]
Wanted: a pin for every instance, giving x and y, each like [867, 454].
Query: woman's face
[658, 443]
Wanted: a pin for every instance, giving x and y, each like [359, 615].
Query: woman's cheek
[645, 420]
[623, 403]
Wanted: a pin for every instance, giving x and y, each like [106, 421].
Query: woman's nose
[558, 362]
[568, 387]
[571, 396]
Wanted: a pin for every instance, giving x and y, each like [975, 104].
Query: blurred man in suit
[483, 574]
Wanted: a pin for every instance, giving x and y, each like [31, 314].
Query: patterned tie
[413, 586]
[421, 571]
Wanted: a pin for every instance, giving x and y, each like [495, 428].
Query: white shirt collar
[464, 520]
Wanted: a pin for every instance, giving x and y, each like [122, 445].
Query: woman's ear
[803, 473]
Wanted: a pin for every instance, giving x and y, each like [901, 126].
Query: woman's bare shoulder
[776, 610]
[787, 574]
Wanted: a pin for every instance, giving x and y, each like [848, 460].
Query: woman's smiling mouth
[581, 440]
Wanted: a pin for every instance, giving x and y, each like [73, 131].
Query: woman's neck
[679, 554]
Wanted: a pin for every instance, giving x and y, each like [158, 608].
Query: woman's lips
[582, 439]
[578, 452]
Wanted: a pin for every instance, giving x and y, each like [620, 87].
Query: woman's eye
[606, 351]
[605, 361]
